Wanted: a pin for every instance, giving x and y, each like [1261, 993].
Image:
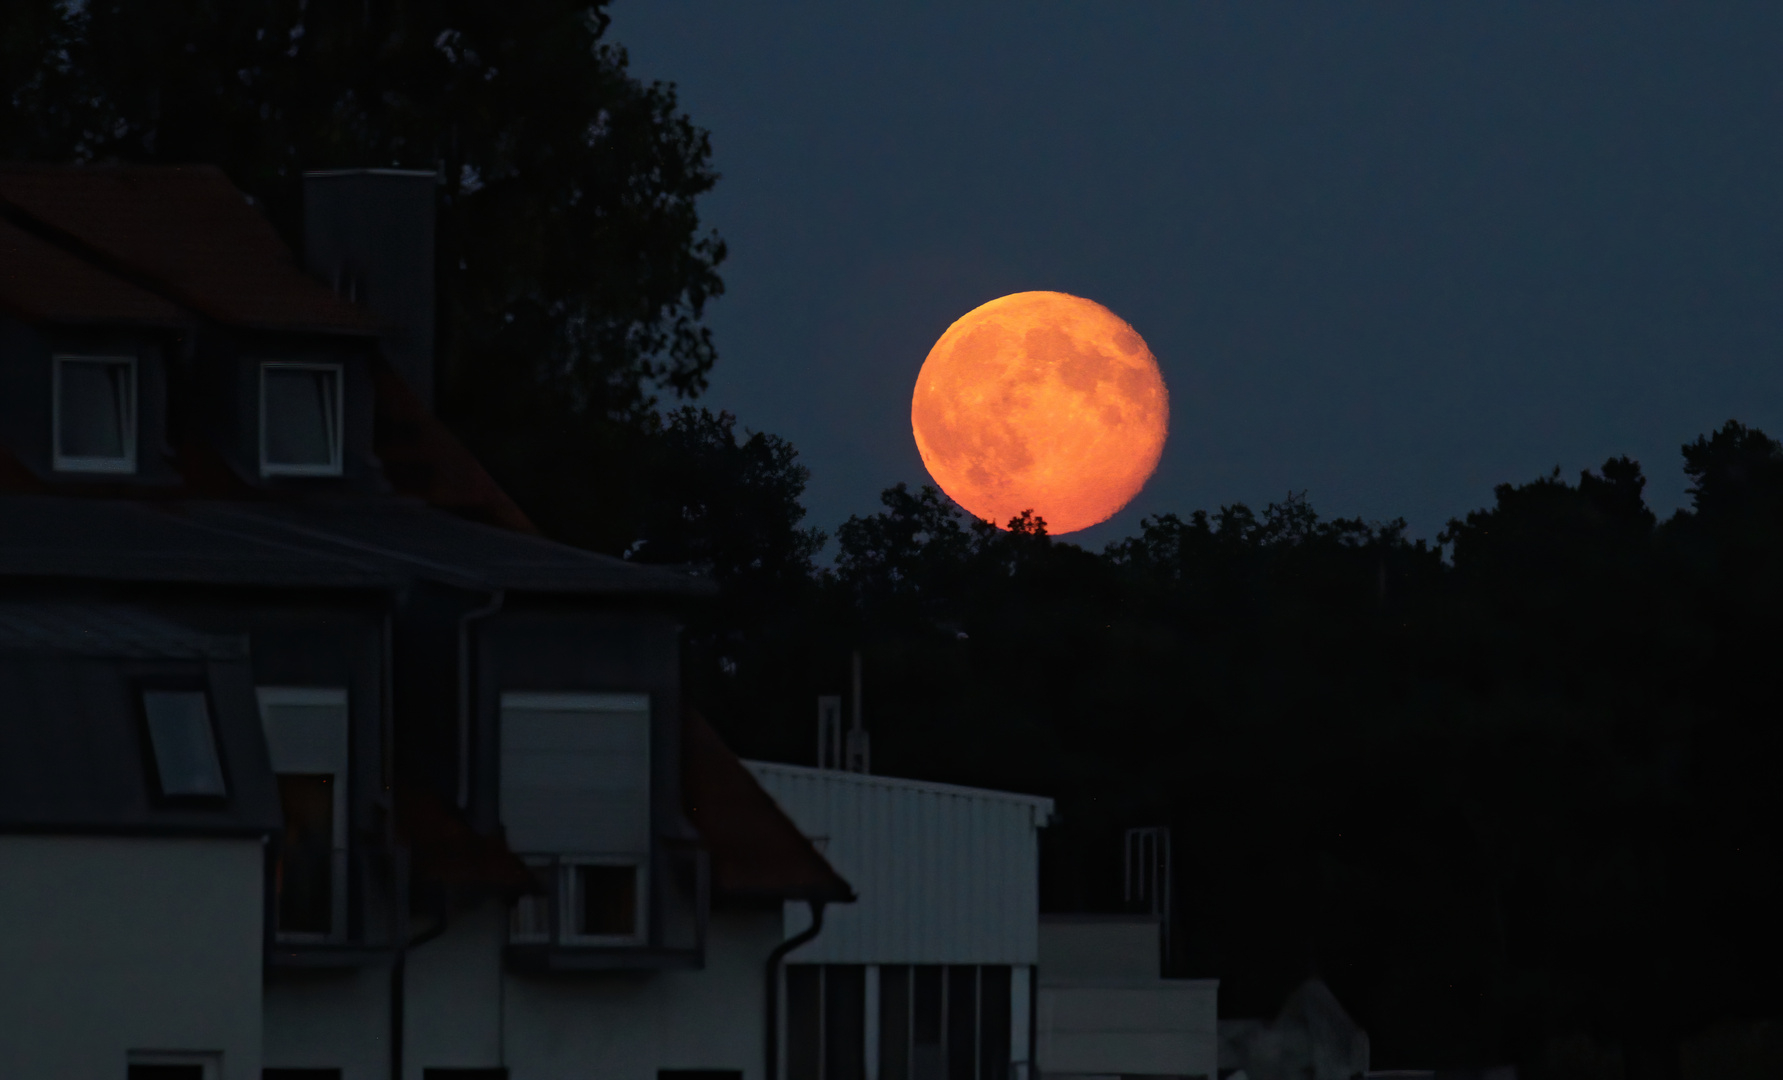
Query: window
[300, 419]
[575, 797]
[585, 900]
[939, 1023]
[94, 414]
[157, 1065]
[184, 745]
[305, 874]
[306, 736]
[603, 900]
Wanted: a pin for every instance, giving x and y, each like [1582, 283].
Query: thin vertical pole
[870, 1045]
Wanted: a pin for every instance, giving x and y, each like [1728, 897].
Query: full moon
[1041, 401]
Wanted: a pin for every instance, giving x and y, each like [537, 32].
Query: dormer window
[300, 419]
[94, 414]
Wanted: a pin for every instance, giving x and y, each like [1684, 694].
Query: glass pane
[844, 1022]
[305, 881]
[925, 1023]
[95, 408]
[962, 1023]
[993, 1023]
[301, 426]
[804, 1023]
[607, 900]
[894, 1022]
[185, 749]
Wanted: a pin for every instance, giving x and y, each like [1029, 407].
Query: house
[1105, 1010]
[930, 975]
[315, 759]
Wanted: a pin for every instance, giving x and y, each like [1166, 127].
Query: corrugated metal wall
[945, 875]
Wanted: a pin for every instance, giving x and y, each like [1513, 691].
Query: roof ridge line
[932, 786]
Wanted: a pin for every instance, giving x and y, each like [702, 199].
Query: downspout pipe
[464, 691]
[772, 1042]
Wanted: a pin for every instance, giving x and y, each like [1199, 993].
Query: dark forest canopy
[1513, 793]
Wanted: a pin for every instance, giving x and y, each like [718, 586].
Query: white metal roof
[945, 874]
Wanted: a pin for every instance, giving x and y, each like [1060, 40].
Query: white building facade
[930, 974]
[1104, 1011]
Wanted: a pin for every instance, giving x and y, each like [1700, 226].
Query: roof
[376, 542]
[422, 458]
[73, 748]
[41, 282]
[1041, 805]
[447, 851]
[947, 874]
[86, 629]
[183, 233]
[756, 850]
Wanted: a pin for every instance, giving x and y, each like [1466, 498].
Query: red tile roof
[447, 851]
[757, 852]
[183, 232]
[422, 458]
[39, 282]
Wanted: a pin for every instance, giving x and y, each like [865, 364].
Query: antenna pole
[858, 757]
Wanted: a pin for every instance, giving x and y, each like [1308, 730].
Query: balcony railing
[595, 912]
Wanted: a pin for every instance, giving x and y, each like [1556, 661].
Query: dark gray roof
[380, 542]
[59, 627]
[74, 753]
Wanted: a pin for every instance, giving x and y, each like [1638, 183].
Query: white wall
[109, 945]
[945, 874]
[627, 1027]
[453, 1004]
[1099, 947]
[322, 1019]
[464, 1012]
[1169, 1028]
[1104, 1010]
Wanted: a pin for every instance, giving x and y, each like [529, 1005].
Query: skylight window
[300, 419]
[185, 746]
[94, 414]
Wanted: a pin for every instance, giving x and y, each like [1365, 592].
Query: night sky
[1390, 255]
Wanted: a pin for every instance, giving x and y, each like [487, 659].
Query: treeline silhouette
[1514, 794]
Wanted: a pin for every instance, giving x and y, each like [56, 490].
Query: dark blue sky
[1388, 254]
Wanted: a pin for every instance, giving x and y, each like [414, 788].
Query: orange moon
[1041, 401]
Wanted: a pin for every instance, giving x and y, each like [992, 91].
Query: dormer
[289, 411]
[83, 367]
[154, 323]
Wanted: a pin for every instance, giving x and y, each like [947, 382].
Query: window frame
[64, 463]
[209, 1061]
[567, 900]
[341, 841]
[338, 435]
[146, 687]
[559, 903]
